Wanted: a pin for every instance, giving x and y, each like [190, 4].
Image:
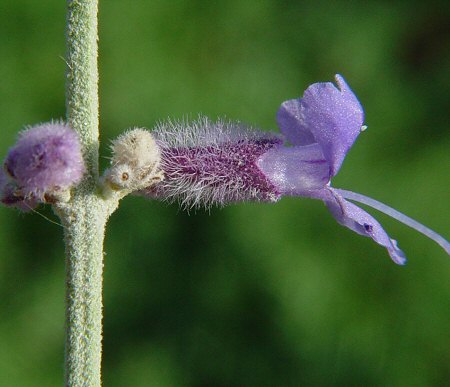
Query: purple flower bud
[46, 159]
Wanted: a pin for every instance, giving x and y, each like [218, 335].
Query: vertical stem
[84, 221]
[82, 78]
[84, 217]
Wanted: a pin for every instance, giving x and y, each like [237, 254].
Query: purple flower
[218, 163]
[322, 126]
[46, 159]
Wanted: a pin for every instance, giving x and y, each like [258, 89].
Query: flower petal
[290, 119]
[293, 170]
[329, 115]
[358, 220]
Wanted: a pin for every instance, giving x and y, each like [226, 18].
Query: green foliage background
[252, 294]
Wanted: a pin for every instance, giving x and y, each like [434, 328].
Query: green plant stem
[84, 221]
[82, 79]
[84, 217]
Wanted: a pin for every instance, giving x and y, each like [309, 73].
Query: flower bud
[46, 160]
[135, 161]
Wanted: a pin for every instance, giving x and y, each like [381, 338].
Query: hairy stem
[84, 217]
[84, 221]
[82, 79]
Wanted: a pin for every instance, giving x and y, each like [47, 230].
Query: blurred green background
[252, 294]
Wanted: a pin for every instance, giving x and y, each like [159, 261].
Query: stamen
[396, 215]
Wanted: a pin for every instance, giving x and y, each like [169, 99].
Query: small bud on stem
[135, 162]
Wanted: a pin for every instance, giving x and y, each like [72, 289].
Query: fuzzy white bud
[137, 148]
[135, 161]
